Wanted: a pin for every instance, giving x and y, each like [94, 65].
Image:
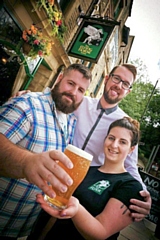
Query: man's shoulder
[38, 95]
[34, 95]
[25, 100]
[121, 112]
[88, 104]
[88, 101]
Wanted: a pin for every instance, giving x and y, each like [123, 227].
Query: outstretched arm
[114, 217]
[37, 168]
[111, 220]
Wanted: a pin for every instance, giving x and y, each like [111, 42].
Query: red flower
[59, 22]
[36, 42]
[40, 53]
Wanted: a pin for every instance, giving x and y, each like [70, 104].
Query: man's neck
[106, 105]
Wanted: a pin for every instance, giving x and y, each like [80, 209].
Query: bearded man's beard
[61, 104]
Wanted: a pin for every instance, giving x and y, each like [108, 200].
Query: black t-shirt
[93, 193]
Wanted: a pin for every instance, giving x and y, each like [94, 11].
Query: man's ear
[128, 91]
[106, 79]
[60, 76]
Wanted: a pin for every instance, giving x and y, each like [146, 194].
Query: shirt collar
[107, 110]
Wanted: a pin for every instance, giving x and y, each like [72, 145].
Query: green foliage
[55, 18]
[143, 104]
[135, 102]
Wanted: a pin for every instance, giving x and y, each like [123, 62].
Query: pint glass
[81, 162]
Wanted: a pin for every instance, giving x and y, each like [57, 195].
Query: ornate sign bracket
[105, 20]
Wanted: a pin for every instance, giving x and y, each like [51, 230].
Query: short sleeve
[126, 190]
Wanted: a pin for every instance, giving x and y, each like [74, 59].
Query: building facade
[20, 72]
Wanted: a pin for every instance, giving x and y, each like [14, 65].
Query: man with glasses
[116, 79]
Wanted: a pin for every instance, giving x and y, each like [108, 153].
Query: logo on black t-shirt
[100, 186]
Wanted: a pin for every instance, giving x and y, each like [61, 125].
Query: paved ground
[143, 230]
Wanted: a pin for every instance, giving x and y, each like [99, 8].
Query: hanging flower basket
[26, 48]
[35, 44]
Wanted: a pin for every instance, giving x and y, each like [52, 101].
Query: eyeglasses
[116, 79]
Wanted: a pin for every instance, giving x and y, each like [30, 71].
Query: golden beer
[81, 161]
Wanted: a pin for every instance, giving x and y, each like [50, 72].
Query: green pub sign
[90, 40]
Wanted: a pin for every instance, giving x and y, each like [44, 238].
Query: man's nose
[74, 91]
[119, 84]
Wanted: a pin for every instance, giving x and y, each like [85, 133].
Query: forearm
[88, 226]
[36, 168]
[110, 221]
[11, 159]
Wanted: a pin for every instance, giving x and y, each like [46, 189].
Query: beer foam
[79, 152]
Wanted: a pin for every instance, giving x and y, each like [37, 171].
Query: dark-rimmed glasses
[116, 79]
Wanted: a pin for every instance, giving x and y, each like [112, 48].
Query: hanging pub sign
[90, 40]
